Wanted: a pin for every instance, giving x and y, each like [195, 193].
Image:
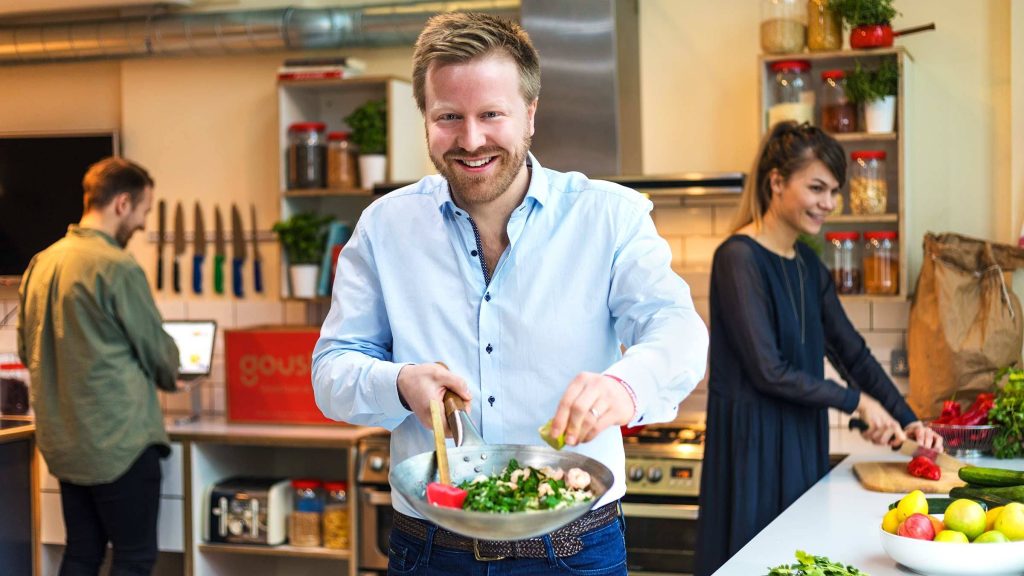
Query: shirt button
[457, 213]
[490, 400]
[487, 297]
[489, 348]
[473, 253]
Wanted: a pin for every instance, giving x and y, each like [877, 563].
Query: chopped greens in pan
[526, 489]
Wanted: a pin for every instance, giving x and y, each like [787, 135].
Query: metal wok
[473, 458]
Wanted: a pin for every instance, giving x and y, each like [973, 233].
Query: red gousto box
[268, 375]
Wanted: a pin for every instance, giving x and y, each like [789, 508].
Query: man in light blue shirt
[522, 280]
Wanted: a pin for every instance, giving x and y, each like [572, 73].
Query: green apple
[952, 536]
[991, 537]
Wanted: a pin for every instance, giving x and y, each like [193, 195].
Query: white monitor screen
[195, 345]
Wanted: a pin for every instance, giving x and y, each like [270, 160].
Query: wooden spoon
[437, 421]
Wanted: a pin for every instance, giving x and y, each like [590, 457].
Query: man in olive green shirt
[94, 344]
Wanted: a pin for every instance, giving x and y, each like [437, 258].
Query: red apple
[917, 526]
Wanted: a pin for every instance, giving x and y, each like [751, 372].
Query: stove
[665, 460]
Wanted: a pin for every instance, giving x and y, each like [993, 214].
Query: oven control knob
[376, 463]
[636, 473]
[654, 474]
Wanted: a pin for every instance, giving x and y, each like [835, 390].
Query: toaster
[247, 510]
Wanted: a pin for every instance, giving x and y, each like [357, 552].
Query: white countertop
[835, 518]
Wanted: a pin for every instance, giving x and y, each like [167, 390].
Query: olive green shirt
[92, 339]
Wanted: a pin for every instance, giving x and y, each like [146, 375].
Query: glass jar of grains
[824, 27]
[306, 153]
[307, 507]
[843, 260]
[869, 192]
[335, 521]
[881, 263]
[783, 28]
[792, 97]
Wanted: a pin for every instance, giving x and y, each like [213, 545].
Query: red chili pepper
[923, 467]
[950, 408]
[445, 495]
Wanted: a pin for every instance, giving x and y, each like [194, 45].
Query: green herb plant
[864, 12]
[369, 124]
[870, 85]
[1008, 414]
[499, 493]
[811, 565]
[302, 237]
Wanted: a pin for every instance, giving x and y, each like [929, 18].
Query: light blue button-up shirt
[585, 270]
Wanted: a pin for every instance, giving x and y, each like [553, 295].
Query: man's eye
[490, 115]
[448, 117]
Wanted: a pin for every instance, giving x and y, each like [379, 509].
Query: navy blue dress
[773, 321]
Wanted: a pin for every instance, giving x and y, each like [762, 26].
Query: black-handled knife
[179, 245]
[161, 231]
[913, 449]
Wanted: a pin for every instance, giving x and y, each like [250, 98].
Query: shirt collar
[538, 188]
[76, 230]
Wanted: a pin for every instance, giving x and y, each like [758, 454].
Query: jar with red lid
[843, 259]
[869, 190]
[881, 262]
[306, 155]
[307, 508]
[783, 26]
[792, 95]
[838, 114]
[336, 517]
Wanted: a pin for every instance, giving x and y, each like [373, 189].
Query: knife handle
[159, 273]
[257, 275]
[236, 276]
[218, 274]
[177, 274]
[197, 273]
[858, 424]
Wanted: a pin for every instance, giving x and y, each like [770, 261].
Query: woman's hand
[882, 428]
[924, 436]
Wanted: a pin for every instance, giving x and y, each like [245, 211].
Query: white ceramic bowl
[949, 559]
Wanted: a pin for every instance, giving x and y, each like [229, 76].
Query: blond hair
[458, 37]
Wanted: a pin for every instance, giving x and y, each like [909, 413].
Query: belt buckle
[476, 553]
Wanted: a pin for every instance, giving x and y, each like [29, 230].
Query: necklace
[798, 313]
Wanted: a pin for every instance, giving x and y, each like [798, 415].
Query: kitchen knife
[238, 250]
[198, 251]
[913, 449]
[179, 245]
[218, 251]
[257, 273]
[161, 230]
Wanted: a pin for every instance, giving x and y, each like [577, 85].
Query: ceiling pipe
[218, 33]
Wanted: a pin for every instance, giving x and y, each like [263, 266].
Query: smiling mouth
[476, 163]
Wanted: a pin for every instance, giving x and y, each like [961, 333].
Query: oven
[663, 467]
[375, 512]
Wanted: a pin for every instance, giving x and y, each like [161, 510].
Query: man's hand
[418, 384]
[882, 428]
[591, 403]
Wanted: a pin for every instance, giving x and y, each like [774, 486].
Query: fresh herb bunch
[302, 237]
[811, 565]
[369, 125]
[864, 12]
[870, 85]
[515, 491]
[1008, 414]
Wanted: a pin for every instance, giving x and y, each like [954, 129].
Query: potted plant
[302, 238]
[875, 90]
[870, 21]
[369, 124]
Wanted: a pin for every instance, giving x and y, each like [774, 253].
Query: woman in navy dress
[775, 316]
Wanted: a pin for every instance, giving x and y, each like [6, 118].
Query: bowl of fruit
[955, 537]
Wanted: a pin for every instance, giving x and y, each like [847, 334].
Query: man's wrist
[632, 396]
[401, 398]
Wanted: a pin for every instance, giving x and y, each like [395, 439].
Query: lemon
[913, 503]
[990, 517]
[890, 523]
[991, 537]
[951, 536]
[545, 434]
[965, 516]
[1011, 521]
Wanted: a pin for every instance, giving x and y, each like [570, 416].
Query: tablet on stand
[195, 339]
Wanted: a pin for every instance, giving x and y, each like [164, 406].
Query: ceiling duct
[214, 33]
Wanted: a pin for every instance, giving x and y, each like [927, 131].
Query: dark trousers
[123, 513]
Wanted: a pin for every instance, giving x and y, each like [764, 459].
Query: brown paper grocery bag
[965, 320]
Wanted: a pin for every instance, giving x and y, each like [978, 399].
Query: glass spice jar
[341, 162]
[335, 518]
[838, 114]
[307, 507]
[843, 260]
[881, 262]
[306, 152]
[824, 27]
[792, 96]
[869, 192]
[783, 29]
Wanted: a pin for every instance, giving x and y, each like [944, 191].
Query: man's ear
[531, 111]
[122, 204]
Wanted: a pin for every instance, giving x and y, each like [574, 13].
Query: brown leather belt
[565, 541]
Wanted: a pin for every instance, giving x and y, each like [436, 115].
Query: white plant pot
[372, 169]
[880, 115]
[304, 280]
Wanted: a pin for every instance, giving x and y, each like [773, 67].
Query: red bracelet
[632, 396]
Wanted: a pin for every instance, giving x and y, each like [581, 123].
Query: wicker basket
[965, 440]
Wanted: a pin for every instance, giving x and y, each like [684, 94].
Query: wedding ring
[595, 413]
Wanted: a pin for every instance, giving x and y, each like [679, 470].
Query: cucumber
[937, 505]
[992, 496]
[978, 476]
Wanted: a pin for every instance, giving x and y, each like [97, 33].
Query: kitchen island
[837, 517]
[16, 501]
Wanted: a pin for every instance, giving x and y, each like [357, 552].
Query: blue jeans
[603, 554]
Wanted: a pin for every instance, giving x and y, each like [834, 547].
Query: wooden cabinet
[330, 101]
[893, 143]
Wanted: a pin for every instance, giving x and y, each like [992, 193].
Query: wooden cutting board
[893, 477]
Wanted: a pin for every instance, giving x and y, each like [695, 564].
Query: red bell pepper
[923, 467]
[977, 414]
[950, 412]
[445, 495]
